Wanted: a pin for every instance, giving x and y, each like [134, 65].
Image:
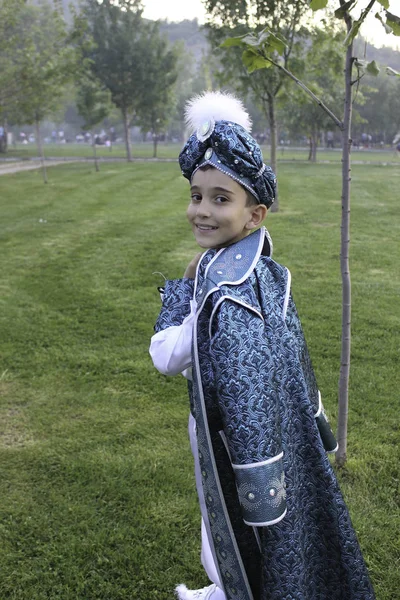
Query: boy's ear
[258, 214]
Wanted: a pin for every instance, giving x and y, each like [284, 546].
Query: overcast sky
[177, 10]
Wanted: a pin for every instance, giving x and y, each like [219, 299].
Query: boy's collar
[234, 264]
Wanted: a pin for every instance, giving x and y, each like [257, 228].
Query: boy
[274, 523]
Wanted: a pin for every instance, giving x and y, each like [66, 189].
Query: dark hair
[251, 200]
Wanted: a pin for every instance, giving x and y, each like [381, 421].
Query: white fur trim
[180, 591]
[220, 106]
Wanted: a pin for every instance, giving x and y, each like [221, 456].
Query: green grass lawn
[171, 150]
[97, 495]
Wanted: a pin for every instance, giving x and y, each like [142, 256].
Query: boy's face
[217, 210]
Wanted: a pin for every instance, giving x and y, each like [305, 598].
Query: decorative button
[216, 144]
[238, 256]
[272, 492]
[219, 272]
[236, 161]
[205, 128]
[208, 153]
[250, 496]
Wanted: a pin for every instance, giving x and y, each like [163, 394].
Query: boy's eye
[221, 199]
[196, 198]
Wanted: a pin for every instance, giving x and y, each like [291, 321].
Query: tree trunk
[273, 139]
[40, 150]
[125, 119]
[96, 162]
[4, 138]
[313, 146]
[344, 264]
[155, 140]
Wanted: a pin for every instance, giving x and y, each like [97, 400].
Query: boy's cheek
[190, 213]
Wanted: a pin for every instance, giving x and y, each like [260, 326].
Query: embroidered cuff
[261, 490]
[177, 294]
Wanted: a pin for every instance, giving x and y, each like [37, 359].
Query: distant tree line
[112, 64]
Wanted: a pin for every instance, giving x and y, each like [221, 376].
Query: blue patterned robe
[279, 526]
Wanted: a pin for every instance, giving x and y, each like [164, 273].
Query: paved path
[15, 167]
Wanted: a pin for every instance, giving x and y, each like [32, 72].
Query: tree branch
[334, 118]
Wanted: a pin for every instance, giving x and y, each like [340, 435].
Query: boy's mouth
[205, 227]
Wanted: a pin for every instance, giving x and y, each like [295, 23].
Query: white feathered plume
[219, 106]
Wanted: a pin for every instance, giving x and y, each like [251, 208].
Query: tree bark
[273, 140]
[313, 147]
[341, 454]
[40, 149]
[125, 119]
[4, 138]
[94, 151]
[155, 140]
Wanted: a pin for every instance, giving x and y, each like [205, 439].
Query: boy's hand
[192, 266]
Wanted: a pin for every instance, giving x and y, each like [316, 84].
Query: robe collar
[234, 264]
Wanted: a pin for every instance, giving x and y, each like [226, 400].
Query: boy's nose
[203, 209]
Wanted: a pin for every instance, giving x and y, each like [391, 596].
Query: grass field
[97, 496]
[170, 150]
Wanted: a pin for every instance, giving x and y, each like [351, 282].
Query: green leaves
[238, 41]
[394, 22]
[340, 12]
[318, 4]
[254, 61]
[385, 25]
[355, 28]
[384, 3]
[258, 48]
[373, 69]
[392, 72]
[369, 67]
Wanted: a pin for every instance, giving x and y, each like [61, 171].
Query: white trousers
[207, 557]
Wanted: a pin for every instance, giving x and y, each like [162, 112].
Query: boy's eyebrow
[214, 189]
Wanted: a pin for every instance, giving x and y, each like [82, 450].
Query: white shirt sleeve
[171, 349]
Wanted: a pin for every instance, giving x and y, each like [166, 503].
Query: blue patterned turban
[229, 148]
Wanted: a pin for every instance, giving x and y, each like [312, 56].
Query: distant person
[274, 522]
[329, 139]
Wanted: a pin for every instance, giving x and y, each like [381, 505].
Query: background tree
[320, 67]
[380, 110]
[121, 54]
[233, 17]
[10, 42]
[94, 105]
[157, 97]
[41, 64]
[260, 52]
